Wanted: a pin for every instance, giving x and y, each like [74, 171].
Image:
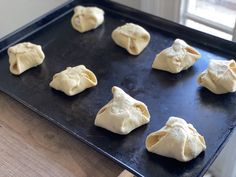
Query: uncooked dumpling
[219, 77]
[24, 56]
[132, 37]
[87, 18]
[122, 114]
[177, 139]
[180, 56]
[74, 80]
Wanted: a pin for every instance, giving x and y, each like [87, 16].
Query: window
[216, 17]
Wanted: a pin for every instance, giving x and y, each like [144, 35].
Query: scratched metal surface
[165, 94]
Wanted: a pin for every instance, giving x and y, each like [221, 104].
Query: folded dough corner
[177, 139]
[74, 80]
[24, 56]
[87, 18]
[122, 114]
[180, 56]
[219, 77]
[132, 37]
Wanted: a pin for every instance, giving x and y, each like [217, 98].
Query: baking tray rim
[71, 4]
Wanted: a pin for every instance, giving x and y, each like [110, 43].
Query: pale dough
[122, 114]
[87, 18]
[219, 77]
[24, 56]
[177, 139]
[132, 37]
[74, 80]
[180, 56]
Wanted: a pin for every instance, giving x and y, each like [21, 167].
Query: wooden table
[31, 146]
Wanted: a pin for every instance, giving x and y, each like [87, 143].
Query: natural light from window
[216, 17]
[208, 29]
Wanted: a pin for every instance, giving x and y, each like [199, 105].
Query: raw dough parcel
[219, 77]
[122, 114]
[177, 139]
[87, 18]
[132, 37]
[180, 56]
[24, 56]
[73, 80]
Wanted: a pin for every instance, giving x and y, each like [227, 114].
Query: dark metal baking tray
[165, 94]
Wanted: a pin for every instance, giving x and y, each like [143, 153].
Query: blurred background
[216, 17]
[17, 13]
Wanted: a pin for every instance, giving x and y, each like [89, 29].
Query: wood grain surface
[31, 146]
[126, 173]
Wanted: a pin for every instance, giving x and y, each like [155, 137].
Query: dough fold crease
[122, 114]
[180, 56]
[24, 56]
[87, 18]
[74, 80]
[177, 139]
[219, 77]
[132, 37]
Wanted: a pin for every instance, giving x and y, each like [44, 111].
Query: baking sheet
[165, 94]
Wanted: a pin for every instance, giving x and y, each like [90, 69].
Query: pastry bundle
[123, 113]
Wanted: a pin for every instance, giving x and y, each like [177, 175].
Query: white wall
[131, 3]
[225, 164]
[16, 13]
[168, 9]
